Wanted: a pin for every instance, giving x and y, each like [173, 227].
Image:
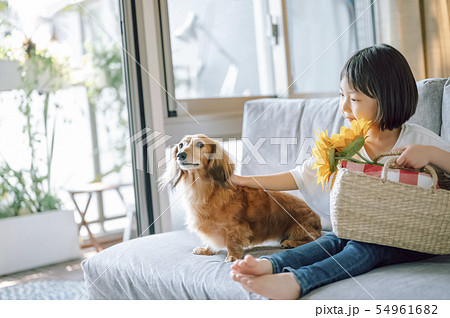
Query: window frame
[144, 77]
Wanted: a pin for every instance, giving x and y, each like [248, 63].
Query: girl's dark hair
[381, 72]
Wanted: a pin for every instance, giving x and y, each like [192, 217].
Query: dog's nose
[181, 155]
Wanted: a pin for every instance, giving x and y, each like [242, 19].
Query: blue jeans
[313, 266]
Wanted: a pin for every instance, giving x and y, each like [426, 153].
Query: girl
[377, 85]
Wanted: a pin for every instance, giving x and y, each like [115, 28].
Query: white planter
[36, 240]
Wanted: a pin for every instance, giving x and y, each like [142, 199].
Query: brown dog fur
[235, 217]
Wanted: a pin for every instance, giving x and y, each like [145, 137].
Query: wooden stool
[96, 187]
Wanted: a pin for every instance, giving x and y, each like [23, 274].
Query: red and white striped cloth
[421, 179]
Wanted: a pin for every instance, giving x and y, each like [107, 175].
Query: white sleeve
[318, 199]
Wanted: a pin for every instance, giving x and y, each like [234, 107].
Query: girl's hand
[414, 156]
[237, 180]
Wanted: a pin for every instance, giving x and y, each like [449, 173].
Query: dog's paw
[290, 244]
[231, 258]
[202, 251]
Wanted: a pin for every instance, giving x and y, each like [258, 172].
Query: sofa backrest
[430, 108]
[268, 122]
[281, 132]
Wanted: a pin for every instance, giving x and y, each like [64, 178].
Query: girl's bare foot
[273, 286]
[252, 266]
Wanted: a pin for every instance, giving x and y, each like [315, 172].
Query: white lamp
[188, 32]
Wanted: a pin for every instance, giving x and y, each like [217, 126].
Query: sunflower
[340, 146]
[322, 154]
[358, 129]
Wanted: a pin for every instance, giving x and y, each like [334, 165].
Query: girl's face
[355, 105]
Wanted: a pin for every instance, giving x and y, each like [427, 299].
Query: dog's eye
[180, 145]
[200, 144]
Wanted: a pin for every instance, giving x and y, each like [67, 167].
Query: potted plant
[106, 94]
[34, 230]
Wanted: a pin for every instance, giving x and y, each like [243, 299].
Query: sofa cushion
[429, 107]
[162, 266]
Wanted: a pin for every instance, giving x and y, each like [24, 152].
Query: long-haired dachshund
[226, 215]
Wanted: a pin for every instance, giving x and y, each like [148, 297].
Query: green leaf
[50, 202]
[332, 160]
[353, 148]
[46, 104]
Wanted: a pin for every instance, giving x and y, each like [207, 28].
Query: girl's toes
[236, 264]
[239, 277]
[250, 261]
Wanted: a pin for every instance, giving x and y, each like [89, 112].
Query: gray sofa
[162, 266]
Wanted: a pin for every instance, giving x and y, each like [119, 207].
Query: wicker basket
[377, 210]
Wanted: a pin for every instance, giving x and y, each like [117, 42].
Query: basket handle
[387, 154]
[391, 163]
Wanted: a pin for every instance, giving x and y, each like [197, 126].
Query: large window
[245, 49]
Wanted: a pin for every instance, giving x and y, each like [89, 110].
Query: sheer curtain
[322, 35]
[420, 29]
[320, 42]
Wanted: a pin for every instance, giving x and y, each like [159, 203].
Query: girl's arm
[275, 182]
[417, 156]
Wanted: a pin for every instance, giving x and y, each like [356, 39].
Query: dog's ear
[172, 174]
[220, 167]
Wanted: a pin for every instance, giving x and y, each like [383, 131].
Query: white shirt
[319, 200]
